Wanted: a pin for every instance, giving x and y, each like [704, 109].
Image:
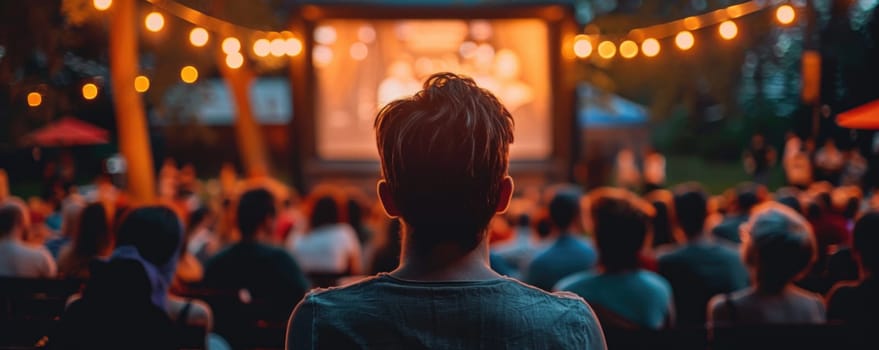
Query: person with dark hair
[569, 254]
[856, 302]
[444, 158]
[623, 294]
[330, 247]
[268, 273]
[778, 248]
[133, 286]
[759, 158]
[18, 259]
[748, 195]
[702, 267]
[92, 239]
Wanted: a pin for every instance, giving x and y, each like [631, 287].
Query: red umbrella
[67, 131]
[863, 117]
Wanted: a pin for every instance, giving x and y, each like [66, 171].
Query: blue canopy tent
[607, 123]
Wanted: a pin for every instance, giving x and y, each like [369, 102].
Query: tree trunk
[247, 130]
[131, 120]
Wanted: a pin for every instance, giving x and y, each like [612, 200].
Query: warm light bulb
[231, 45]
[582, 46]
[261, 47]
[234, 60]
[89, 91]
[141, 83]
[102, 5]
[728, 30]
[34, 99]
[650, 47]
[278, 47]
[188, 74]
[628, 49]
[358, 51]
[154, 21]
[607, 49]
[785, 14]
[294, 47]
[198, 37]
[685, 40]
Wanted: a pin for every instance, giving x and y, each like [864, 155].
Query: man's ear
[506, 194]
[387, 199]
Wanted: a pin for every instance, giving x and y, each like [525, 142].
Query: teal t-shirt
[383, 312]
[641, 297]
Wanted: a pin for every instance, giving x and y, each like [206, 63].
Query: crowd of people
[451, 255]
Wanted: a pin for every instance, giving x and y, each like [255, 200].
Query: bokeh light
[277, 47]
[358, 51]
[154, 21]
[188, 74]
[102, 5]
[582, 46]
[785, 14]
[607, 49]
[231, 45]
[628, 49]
[89, 91]
[34, 99]
[293, 46]
[234, 60]
[262, 47]
[728, 30]
[198, 37]
[141, 83]
[685, 40]
[651, 47]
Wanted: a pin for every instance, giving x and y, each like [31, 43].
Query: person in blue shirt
[569, 253]
[444, 159]
[623, 294]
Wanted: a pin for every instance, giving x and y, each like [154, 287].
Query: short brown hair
[444, 154]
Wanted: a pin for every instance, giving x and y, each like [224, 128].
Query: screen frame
[560, 23]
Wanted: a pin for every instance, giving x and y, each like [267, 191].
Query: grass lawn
[715, 176]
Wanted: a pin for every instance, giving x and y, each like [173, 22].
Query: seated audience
[18, 259]
[203, 241]
[778, 247]
[569, 253]
[137, 276]
[92, 239]
[443, 294]
[858, 302]
[623, 294]
[189, 268]
[71, 210]
[266, 272]
[331, 246]
[747, 196]
[702, 267]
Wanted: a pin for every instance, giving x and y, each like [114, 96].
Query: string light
[231, 45]
[785, 14]
[34, 99]
[188, 74]
[685, 40]
[154, 21]
[234, 60]
[728, 30]
[198, 37]
[628, 49]
[650, 47]
[261, 47]
[294, 47]
[358, 51]
[582, 46]
[89, 91]
[607, 49]
[277, 47]
[102, 5]
[141, 83]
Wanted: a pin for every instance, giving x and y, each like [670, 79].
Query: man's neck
[446, 263]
